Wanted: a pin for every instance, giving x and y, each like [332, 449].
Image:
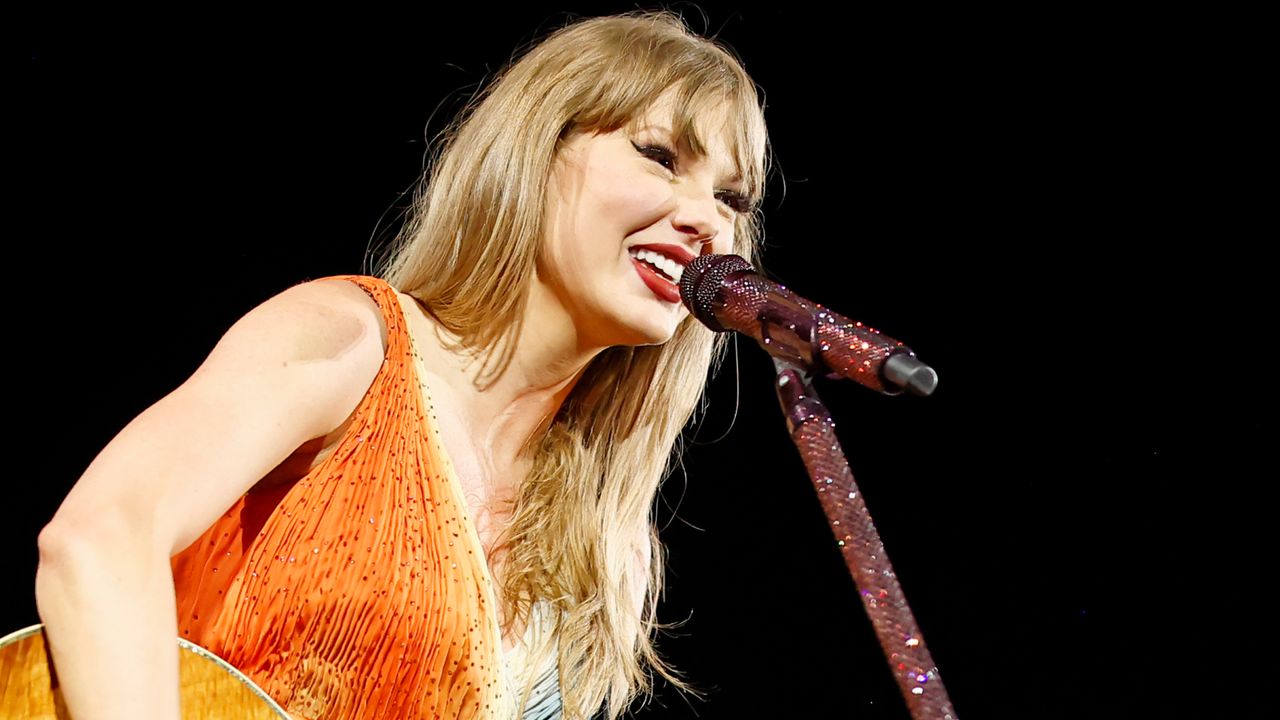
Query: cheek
[629, 201]
[562, 255]
[573, 231]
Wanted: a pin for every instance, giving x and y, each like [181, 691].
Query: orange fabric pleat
[361, 590]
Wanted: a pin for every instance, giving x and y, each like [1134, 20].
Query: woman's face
[632, 192]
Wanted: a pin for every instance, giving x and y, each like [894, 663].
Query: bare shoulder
[314, 320]
[288, 371]
[326, 337]
[346, 296]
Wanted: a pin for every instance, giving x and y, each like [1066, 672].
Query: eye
[738, 202]
[664, 156]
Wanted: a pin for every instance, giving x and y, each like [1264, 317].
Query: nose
[697, 217]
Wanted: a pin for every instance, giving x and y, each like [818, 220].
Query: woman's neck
[503, 415]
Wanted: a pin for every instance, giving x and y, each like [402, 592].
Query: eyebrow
[728, 175]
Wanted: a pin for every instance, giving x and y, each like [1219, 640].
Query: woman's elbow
[69, 543]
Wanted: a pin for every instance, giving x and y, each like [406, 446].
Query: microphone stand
[813, 432]
[724, 293]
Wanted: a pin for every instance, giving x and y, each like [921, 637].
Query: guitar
[211, 689]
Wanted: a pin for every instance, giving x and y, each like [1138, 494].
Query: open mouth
[665, 267]
[659, 273]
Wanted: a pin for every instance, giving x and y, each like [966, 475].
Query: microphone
[725, 293]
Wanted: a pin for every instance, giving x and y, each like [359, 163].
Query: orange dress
[361, 590]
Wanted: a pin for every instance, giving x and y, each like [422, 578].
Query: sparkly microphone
[725, 293]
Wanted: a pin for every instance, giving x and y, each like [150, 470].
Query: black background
[1048, 208]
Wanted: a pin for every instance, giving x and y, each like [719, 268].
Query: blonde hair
[582, 536]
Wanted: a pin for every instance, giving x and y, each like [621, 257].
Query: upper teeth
[669, 266]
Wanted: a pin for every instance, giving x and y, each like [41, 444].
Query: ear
[640, 586]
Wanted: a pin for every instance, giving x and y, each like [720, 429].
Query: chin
[653, 332]
[648, 338]
[647, 323]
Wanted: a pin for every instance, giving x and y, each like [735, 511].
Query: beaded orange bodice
[361, 590]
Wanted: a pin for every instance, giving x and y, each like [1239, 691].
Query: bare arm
[290, 370]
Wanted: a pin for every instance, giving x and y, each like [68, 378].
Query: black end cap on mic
[701, 282]
[905, 371]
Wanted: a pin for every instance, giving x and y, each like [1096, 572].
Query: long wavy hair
[582, 536]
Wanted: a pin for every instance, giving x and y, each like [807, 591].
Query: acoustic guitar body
[210, 688]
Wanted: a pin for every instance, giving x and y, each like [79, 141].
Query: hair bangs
[711, 95]
[703, 110]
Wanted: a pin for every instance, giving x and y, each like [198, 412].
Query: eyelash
[658, 153]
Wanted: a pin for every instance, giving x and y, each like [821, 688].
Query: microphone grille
[701, 282]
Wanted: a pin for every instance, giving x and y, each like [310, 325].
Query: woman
[429, 492]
